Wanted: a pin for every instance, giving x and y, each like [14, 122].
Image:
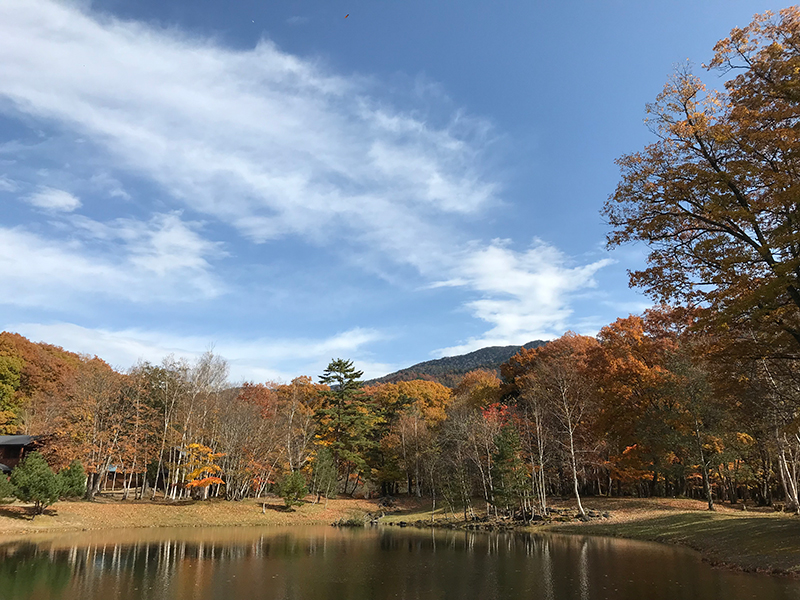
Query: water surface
[323, 563]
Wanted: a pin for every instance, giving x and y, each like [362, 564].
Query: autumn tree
[637, 414]
[536, 431]
[474, 423]
[163, 387]
[557, 374]
[296, 405]
[715, 197]
[411, 411]
[93, 422]
[202, 468]
[457, 450]
[762, 395]
[33, 377]
[478, 389]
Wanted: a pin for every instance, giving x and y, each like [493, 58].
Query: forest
[698, 396]
[651, 406]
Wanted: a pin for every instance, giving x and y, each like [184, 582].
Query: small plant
[35, 482]
[292, 488]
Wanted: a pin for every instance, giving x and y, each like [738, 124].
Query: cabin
[13, 448]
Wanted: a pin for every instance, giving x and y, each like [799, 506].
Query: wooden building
[13, 449]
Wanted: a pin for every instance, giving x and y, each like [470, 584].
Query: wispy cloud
[269, 144]
[53, 199]
[258, 359]
[164, 258]
[7, 185]
[526, 295]
[263, 140]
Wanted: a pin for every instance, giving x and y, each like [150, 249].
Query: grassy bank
[753, 540]
[106, 513]
[767, 543]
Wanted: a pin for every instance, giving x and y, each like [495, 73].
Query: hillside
[449, 370]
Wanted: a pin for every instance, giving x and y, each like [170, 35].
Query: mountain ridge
[450, 369]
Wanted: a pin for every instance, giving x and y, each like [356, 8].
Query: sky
[285, 185]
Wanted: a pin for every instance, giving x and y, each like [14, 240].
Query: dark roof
[15, 440]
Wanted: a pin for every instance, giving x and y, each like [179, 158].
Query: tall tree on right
[716, 197]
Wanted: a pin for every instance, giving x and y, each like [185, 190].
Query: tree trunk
[787, 480]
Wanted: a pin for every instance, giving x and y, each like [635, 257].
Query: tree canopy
[715, 198]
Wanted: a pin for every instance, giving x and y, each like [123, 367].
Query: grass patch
[757, 543]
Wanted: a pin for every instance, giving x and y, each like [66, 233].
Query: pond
[323, 563]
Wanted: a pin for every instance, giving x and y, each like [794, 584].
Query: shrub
[292, 488]
[35, 482]
[7, 491]
[72, 480]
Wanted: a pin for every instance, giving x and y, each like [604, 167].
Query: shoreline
[756, 541]
[751, 541]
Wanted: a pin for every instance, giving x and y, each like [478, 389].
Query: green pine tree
[323, 474]
[7, 491]
[10, 370]
[508, 468]
[35, 482]
[292, 488]
[345, 420]
[72, 480]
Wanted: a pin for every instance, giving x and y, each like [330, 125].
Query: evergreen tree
[7, 490]
[10, 369]
[72, 480]
[345, 420]
[324, 476]
[35, 482]
[508, 468]
[292, 488]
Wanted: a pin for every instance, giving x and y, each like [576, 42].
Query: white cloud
[53, 199]
[259, 359]
[265, 141]
[271, 144]
[8, 185]
[109, 185]
[164, 258]
[526, 295]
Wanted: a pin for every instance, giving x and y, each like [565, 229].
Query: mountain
[449, 370]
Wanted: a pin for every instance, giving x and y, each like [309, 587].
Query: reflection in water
[583, 570]
[375, 564]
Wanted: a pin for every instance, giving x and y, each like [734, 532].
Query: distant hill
[449, 370]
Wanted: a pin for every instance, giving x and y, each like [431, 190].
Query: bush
[292, 488]
[7, 491]
[35, 482]
[72, 480]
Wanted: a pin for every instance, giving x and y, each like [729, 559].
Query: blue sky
[289, 186]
